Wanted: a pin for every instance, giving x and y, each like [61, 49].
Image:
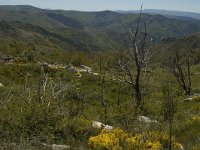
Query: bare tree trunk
[189, 77]
[118, 94]
[105, 112]
[137, 54]
[137, 87]
[102, 90]
[100, 65]
[102, 78]
[39, 91]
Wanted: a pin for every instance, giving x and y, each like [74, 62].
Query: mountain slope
[187, 46]
[96, 30]
[22, 41]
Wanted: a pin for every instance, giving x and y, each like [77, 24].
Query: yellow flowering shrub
[155, 136]
[118, 140]
[196, 118]
[153, 145]
[109, 139]
[135, 142]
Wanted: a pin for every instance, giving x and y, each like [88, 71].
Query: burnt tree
[181, 70]
[136, 55]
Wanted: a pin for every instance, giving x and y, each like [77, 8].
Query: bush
[119, 140]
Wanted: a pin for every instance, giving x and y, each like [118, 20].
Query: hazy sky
[96, 5]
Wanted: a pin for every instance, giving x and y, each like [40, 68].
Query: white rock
[108, 128]
[60, 147]
[146, 120]
[95, 74]
[98, 125]
[1, 85]
[181, 148]
[86, 68]
[188, 99]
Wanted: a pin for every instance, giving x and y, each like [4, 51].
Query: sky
[98, 5]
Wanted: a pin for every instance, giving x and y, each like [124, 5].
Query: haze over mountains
[95, 30]
[168, 13]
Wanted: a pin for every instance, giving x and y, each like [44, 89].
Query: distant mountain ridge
[94, 30]
[163, 12]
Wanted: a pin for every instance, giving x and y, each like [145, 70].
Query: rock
[72, 68]
[60, 147]
[195, 97]
[97, 125]
[188, 99]
[1, 85]
[108, 128]
[95, 74]
[86, 68]
[146, 120]
[181, 147]
[44, 64]
[55, 146]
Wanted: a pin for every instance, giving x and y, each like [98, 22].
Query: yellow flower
[118, 140]
[153, 145]
[196, 118]
[108, 140]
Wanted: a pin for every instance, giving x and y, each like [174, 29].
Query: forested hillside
[97, 30]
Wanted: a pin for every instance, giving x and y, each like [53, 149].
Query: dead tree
[136, 56]
[181, 71]
[169, 110]
[102, 80]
